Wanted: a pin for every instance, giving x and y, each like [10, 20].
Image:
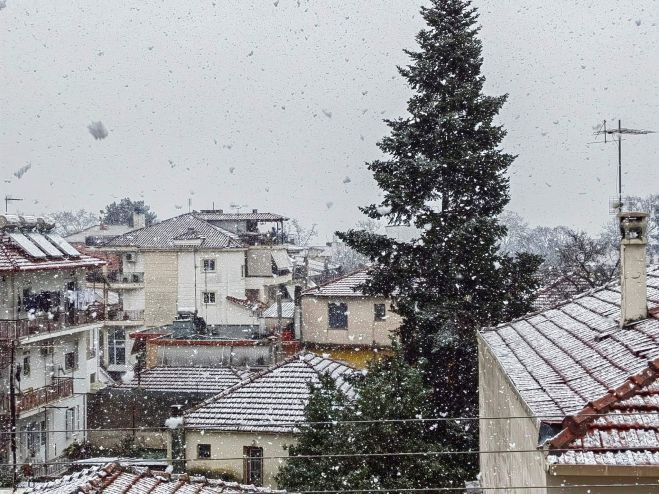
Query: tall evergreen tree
[445, 173]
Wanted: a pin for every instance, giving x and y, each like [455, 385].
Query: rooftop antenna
[9, 199]
[613, 132]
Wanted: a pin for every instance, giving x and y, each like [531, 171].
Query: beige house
[338, 318]
[238, 432]
[569, 396]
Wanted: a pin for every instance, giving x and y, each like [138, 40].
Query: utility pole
[619, 132]
[12, 411]
[9, 199]
[278, 350]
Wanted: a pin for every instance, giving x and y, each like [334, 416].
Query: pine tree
[445, 174]
[369, 434]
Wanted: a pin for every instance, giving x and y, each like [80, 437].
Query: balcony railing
[29, 400]
[62, 387]
[125, 315]
[128, 278]
[13, 329]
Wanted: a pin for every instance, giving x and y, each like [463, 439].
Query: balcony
[62, 387]
[118, 317]
[125, 281]
[14, 329]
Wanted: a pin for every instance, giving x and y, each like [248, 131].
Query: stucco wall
[227, 279]
[362, 329]
[160, 282]
[230, 445]
[498, 399]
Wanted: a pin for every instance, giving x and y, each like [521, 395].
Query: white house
[215, 264]
[49, 332]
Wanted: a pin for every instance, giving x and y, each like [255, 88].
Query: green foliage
[121, 213]
[391, 389]
[445, 174]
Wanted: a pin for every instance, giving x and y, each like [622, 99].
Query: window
[252, 294]
[117, 347]
[209, 265]
[338, 315]
[253, 465]
[32, 438]
[203, 450]
[209, 297]
[380, 311]
[70, 361]
[92, 377]
[242, 270]
[70, 422]
[43, 438]
[26, 365]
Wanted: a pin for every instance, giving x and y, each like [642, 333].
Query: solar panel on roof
[27, 246]
[62, 245]
[45, 245]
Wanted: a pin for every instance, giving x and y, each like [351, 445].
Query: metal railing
[125, 315]
[120, 277]
[14, 329]
[62, 387]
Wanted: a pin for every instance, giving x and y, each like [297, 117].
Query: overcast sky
[276, 105]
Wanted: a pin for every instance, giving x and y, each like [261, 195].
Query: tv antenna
[9, 199]
[616, 136]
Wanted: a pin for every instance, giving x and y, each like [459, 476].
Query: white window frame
[207, 296]
[207, 262]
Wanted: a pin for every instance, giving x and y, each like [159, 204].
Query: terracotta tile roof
[187, 379]
[270, 401]
[345, 286]
[13, 258]
[628, 434]
[184, 227]
[572, 365]
[115, 479]
[562, 358]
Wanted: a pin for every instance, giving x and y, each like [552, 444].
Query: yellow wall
[357, 357]
[160, 287]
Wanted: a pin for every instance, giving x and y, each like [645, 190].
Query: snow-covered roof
[271, 401]
[98, 231]
[574, 361]
[187, 379]
[345, 286]
[287, 310]
[166, 234]
[14, 258]
[115, 479]
[254, 216]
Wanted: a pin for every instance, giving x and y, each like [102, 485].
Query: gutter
[596, 470]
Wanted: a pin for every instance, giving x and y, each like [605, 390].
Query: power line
[226, 425]
[362, 455]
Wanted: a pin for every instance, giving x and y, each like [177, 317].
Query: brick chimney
[139, 220]
[633, 278]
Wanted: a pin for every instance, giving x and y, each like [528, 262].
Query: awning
[281, 259]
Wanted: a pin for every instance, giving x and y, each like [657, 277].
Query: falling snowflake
[327, 113]
[22, 170]
[347, 180]
[98, 130]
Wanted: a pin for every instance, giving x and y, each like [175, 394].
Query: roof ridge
[576, 425]
[342, 277]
